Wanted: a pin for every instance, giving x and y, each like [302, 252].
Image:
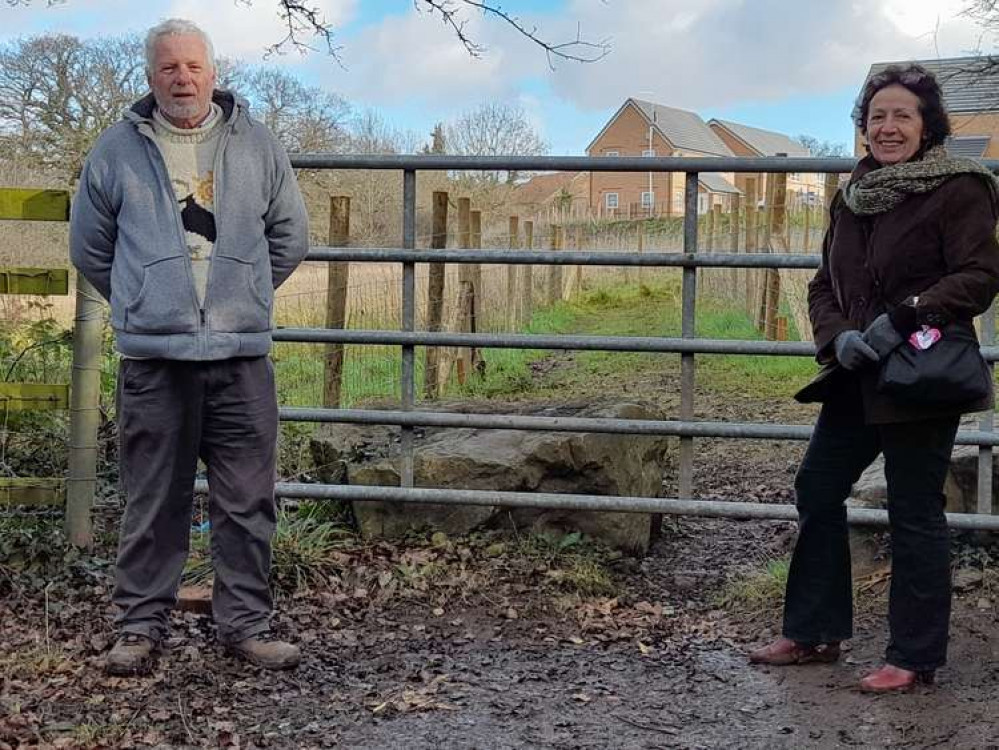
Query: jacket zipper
[219, 151]
[161, 165]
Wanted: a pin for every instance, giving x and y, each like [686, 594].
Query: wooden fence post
[465, 284]
[806, 219]
[777, 231]
[84, 414]
[478, 362]
[733, 226]
[577, 283]
[527, 279]
[716, 227]
[555, 272]
[709, 230]
[830, 188]
[338, 276]
[751, 274]
[435, 294]
[641, 251]
[513, 237]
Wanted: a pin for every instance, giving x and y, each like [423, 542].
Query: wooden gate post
[84, 414]
[475, 308]
[435, 295]
[338, 276]
[555, 272]
[464, 358]
[513, 242]
[527, 279]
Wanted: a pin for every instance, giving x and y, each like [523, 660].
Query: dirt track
[490, 653]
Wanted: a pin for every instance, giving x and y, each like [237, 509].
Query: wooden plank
[33, 397]
[34, 281]
[34, 205]
[31, 491]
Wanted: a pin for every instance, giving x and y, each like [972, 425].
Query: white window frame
[648, 199]
[613, 152]
[648, 152]
[607, 201]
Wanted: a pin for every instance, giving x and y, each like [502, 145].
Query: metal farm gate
[688, 346]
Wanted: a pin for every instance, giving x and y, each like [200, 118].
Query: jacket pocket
[165, 303]
[237, 301]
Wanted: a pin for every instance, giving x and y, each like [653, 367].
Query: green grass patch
[758, 591]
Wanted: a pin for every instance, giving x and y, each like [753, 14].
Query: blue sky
[785, 65]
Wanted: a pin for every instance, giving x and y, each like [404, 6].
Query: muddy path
[474, 645]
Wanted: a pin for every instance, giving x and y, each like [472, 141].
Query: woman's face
[894, 125]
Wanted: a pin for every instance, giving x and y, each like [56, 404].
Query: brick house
[641, 128]
[743, 140]
[971, 94]
[556, 194]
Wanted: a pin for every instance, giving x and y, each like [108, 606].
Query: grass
[759, 591]
[302, 549]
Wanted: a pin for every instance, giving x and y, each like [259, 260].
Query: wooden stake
[513, 238]
[338, 276]
[527, 279]
[435, 294]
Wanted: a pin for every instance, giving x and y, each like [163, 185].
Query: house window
[611, 153]
[610, 200]
[678, 201]
[648, 152]
[648, 199]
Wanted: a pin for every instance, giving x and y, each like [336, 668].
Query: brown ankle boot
[785, 652]
[132, 654]
[891, 679]
[267, 652]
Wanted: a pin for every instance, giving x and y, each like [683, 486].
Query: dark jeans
[819, 603]
[170, 413]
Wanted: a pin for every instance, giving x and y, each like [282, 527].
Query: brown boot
[890, 679]
[785, 652]
[267, 652]
[132, 654]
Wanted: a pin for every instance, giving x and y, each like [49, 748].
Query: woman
[910, 243]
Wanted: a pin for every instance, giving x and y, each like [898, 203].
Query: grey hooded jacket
[127, 238]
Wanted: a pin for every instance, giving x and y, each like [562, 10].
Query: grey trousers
[170, 413]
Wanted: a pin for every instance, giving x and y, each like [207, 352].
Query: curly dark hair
[922, 83]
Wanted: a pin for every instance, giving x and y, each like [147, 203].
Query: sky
[793, 66]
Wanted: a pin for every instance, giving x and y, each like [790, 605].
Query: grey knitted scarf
[880, 190]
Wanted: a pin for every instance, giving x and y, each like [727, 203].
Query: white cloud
[712, 53]
[244, 30]
[414, 55]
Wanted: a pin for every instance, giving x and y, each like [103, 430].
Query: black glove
[852, 351]
[882, 336]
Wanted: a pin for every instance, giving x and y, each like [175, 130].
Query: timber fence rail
[687, 429]
[81, 396]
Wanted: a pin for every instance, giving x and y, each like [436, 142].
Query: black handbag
[951, 372]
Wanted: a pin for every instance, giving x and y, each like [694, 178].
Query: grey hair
[175, 26]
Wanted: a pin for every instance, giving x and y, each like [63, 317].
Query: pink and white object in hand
[925, 338]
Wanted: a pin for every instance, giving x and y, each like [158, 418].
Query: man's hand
[882, 336]
[852, 351]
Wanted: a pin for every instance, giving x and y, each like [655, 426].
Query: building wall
[628, 135]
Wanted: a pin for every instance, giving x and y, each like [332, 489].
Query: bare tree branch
[575, 50]
[302, 23]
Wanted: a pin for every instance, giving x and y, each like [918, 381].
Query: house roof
[970, 146]
[542, 188]
[715, 183]
[685, 130]
[763, 142]
[969, 84]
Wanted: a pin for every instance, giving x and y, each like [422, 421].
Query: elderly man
[187, 218]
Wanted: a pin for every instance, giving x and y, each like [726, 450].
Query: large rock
[871, 491]
[505, 460]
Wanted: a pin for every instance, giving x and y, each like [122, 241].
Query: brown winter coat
[940, 246]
